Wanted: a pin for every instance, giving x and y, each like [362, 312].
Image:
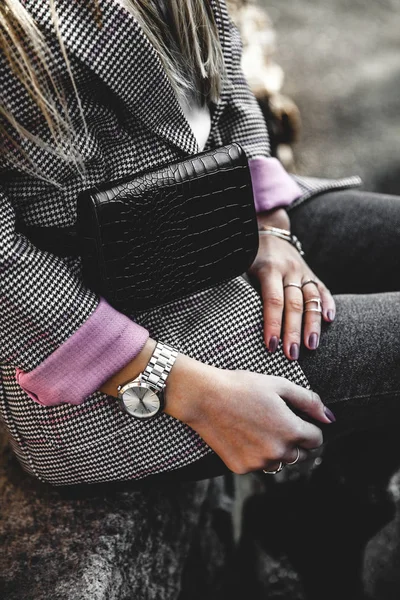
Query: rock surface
[109, 544]
[342, 68]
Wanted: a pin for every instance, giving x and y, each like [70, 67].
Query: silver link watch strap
[159, 366]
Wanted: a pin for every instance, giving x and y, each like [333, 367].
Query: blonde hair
[187, 44]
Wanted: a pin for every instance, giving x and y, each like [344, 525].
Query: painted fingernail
[273, 344]
[331, 314]
[294, 351]
[329, 414]
[313, 341]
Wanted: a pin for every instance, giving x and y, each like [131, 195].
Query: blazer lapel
[121, 55]
[118, 51]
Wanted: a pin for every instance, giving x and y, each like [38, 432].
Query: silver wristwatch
[143, 397]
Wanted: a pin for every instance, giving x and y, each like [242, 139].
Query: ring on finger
[282, 465]
[296, 285]
[296, 459]
[318, 303]
[309, 281]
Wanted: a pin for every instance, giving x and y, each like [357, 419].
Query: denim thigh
[352, 242]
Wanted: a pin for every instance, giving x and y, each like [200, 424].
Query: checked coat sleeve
[42, 304]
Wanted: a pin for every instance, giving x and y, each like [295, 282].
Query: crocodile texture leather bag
[168, 233]
[164, 234]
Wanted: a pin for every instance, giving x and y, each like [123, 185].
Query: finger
[304, 400]
[309, 436]
[293, 318]
[295, 455]
[272, 296]
[272, 468]
[311, 318]
[328, 303]
[299, 433]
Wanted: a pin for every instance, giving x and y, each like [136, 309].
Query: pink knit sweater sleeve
[273, 187]
[103, 345]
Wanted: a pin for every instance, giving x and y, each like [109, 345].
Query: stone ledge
[69, 545]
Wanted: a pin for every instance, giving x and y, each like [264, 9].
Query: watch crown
[137, 379]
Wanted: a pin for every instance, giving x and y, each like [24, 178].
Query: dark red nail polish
[313, 341]
[294, 351]
[331, 314]
[329, 414]
[273, 344]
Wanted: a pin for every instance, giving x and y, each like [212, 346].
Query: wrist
[130, 371]
[274, 218]
[189, 387]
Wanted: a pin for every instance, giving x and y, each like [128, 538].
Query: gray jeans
[352, 242]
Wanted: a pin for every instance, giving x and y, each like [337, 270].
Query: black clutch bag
[171, 232]
[162, 235]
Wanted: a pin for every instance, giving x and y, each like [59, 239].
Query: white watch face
[139, 400]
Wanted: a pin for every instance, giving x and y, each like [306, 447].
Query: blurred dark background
[341, 60]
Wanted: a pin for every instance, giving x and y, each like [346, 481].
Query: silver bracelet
[283, 234]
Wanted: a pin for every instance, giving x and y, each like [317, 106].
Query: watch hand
[144, 406]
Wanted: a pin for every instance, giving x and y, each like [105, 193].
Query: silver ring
[296, 285]
[282, 465]
[309, 281]
[318, 302]
[296, 459]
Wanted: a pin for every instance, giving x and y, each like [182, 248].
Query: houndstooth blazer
[134, 122]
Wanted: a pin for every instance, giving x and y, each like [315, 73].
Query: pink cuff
[273, 187]
[103, 345]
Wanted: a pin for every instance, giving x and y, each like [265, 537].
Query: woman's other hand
[276, 265]
[245, 417]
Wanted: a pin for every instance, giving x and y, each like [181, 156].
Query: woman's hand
[245, 417]
[276, 265]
